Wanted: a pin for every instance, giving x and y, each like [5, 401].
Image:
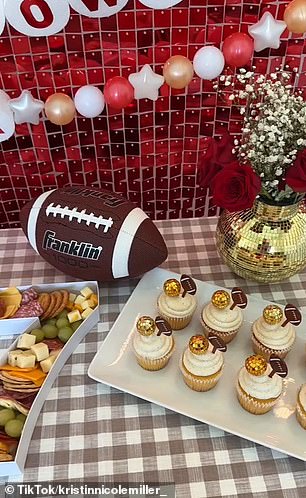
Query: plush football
[92, 234]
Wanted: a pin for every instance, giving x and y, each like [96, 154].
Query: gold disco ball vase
[264, 243]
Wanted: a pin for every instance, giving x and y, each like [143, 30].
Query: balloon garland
[178, 71]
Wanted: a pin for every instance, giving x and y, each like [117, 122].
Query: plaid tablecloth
[91, 432]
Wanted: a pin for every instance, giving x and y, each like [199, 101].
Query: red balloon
[238, 49]
[118, 92]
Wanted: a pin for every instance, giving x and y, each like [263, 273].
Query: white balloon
[160, 4]
[2, 16]
[267, 32]
[208, 62]
[36, 17]
[7, 123]
[89, 101]
[97, 8]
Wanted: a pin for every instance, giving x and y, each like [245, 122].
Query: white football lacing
[79, 216]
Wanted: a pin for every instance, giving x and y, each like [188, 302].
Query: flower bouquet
[260, 180]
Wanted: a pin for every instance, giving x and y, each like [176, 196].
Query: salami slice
[28, 296]
[33, 308]
[53, 344]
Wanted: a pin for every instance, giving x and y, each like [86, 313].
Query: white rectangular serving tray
[17, 466]
[114, 364]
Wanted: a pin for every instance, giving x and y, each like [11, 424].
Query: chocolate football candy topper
[239, 298]
[278, 366]
[217, 343]
[293, 315]
[189, 285]
[163, 326]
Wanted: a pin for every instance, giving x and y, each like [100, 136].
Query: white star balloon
[146, 83]
[267, 32]
[26, 109]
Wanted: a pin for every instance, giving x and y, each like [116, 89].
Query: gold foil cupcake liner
[266, 352]
[177, 323]
[300, 415]
[254, 405]
[154, 364]
[197, 382]
[225, 336]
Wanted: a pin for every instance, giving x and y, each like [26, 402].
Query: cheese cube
[72, 297]
[87, 312]
[94, 298]
[47, 363]
[88, 304]
[12, 357]
[41, 351]
[79, 299]
[86, 292]
[26, 360]
[26, 341]
[74, 316]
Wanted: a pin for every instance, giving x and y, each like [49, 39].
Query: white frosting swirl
[274, 336]
[205, 364]
[302, 396]
[224, 320]
[261, 386]
[178, 306]
[152, 346]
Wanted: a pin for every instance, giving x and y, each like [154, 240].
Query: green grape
[62, 314]
[21, 417]
[6, 415]
[51, 321]
[39, 335]
[62, 322]
[75, 325]
[65, 333]
[13, 428]
[50, 331]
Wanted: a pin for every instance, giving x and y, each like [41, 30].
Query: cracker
[58, 301]
[44, 300]
[48, 311]
[62, 304]
[20, 389]
[6, 457]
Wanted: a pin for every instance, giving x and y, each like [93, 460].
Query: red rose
[218, 154]
[296, 173]
[236, 187]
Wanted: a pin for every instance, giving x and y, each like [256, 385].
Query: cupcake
[271, 334]
[258, 385]
[153, 346]
[201, 364]
[177, 302]
[301, 406]
[223, 316]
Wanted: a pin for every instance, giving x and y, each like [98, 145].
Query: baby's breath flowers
[273, 129]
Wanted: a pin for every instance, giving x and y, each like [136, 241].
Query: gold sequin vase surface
[265, 243]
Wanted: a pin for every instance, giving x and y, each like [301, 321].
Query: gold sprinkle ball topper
[198, 344]
[145, 326]
[172, 287]
[221, 299]
[272, 314]
[256, 365]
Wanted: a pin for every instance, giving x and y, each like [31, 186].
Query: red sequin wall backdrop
[148, 152]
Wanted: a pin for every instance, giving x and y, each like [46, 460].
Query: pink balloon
[238, 49]
[118, 92]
